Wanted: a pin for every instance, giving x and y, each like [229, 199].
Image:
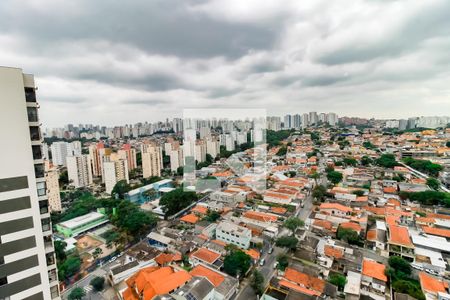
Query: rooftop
[84, 219]
[374, 269]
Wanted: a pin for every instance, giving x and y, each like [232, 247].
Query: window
[3, 281]
[39, 170]
[32, 114]
[35, 133]
[41, 188]
[43, 206]
[52, 275]
[54, 291]
[37, 151]
[50, 259]
[30, 94]
[45, 224]
[48, 241]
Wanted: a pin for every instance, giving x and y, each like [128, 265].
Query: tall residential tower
[27, 258]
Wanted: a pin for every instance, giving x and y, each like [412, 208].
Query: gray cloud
[109, 62]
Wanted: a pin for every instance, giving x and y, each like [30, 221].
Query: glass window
[37, 151]
[39, 170]
[30, 94]
[35, 133]
[32, 114]
[41, 188]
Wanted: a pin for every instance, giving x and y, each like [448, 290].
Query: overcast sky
[115, 62]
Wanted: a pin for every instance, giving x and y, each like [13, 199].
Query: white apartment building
[59, 153]
[115, 171]
[151, 160]
[200, 151]
[129, 154]
[212, 148]
[79, 170]
[52, 181]
[28, 263]
[234, 234]
[74, 148]
[332, 119]
[176, 159]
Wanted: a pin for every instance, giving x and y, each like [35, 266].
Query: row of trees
[428, 197]
[176, 200]
[424, 166]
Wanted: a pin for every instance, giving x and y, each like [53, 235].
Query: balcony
[39, 170]
[46, 224]
[48, 242]
[52, 275]
[35, 133]
[37, 152]
[32, 114]
[41, 188]
[43, 207]
[30, 94]
[50, 258]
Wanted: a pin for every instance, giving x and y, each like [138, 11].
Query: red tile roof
[399, 235]
[333, 251]
[314, 284]
[335, 206]
[431, 284]
[206, 255]
[214, 277]
[351, 225]
[190, 218]
[259, 216]
[374, 269]
[437, 231]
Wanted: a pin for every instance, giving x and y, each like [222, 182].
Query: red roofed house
[302, 283]
[190, 218]
[335, 209]
[225, 286]
[374, 279]
[205, 256]
[153, 281]
[431, 286]
[399, 242]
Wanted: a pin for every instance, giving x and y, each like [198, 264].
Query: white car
[432, 272]
[262, 261]
[417, 266]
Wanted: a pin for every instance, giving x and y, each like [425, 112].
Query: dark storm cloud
[112, 61]
[158, 26]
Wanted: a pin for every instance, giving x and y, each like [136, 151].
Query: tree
[283, 261]
[257, 282]
[97, 252]
[338, 280]
[63, 178]
[212, 216]
[368, 145]
[359, 193]
[348, 235]
[350, 161]
[365, 160]
[425, 166]
[433, 183]
[120, 189]
[98, 283]
[401, 268]
[236, 262]
[319, 192]
[386, 161]
[131, 219]
[60, 250]
[289, 242]
[69, 267]
[408, 287]
[77, 294]
[293, 223]
[282, 151]
[176, 200]
[334, 176]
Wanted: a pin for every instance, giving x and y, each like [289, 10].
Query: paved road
[84, 283]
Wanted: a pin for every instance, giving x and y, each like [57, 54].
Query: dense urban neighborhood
[351, 209]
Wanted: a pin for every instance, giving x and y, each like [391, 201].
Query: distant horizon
[170, 119]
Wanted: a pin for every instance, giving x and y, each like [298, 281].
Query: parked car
[417, 266]
[432, 272]
[270, 250]
[262, 261]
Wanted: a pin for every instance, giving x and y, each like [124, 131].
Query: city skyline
[149, 59]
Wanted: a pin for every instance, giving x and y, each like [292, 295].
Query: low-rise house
[335, 209]
[153, 281]
[225, 286]
[259, 218]
[433, 288]
[374, 279]
[160, 241]
[199, 288]
[302, 283]
[399, 242]
[204, 255]
[234, 234]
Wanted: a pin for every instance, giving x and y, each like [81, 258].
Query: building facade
[28, 263]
